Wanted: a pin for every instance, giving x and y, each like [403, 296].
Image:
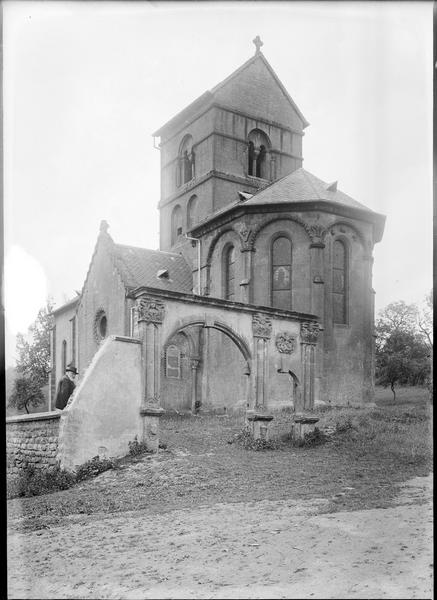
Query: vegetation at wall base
[137, 448]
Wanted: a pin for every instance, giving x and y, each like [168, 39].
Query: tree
[402, 355]
[33, 361]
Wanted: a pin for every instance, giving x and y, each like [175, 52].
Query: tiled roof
[302, 186]
[140, 266]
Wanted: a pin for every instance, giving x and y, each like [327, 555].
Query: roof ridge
[149, 249]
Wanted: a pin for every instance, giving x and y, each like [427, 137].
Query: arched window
[281, 273]
[185, 166]
[339, 282]
[64, 355]
[258, 145]
[229, 273]
[192, 212]
[173, 362]
[176, 224]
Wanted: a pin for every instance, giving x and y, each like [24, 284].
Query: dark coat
[65, 389]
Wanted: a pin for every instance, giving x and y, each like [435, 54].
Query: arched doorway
[205, 365]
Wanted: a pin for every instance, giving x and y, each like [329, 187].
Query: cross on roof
[258, 43]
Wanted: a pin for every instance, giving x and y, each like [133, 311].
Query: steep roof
[209, 96]
[302, 186]
[298, 188]
[140, 266]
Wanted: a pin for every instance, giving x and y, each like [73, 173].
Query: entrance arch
[215, 367]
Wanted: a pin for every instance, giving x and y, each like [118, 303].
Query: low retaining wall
[31, 440]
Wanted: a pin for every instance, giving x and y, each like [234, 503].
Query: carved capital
[261, 326]
[309, 332]
[246, 236]
[317, 234]
[150, 310]
[285, 342]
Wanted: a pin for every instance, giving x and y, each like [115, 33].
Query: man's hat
[73, 369]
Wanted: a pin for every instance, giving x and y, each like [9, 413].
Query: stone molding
[261, 326]
[33, 417]
[309, 332]
[285, 342]
[150, 310]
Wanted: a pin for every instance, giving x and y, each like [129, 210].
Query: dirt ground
[264, 549]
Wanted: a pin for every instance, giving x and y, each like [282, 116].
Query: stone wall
[31, 439]
[103, 415]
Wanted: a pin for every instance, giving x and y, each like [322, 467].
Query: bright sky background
[86, 84]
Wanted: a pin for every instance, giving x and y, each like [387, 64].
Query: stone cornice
[191, 185]
[220, 304]
[238, 210]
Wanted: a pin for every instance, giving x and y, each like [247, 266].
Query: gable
[256, 90]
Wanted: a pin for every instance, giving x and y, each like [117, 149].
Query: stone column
[368, 329]
[262, 330]
[194, 366]
[309, 332]
[317, 248]
[150, 313]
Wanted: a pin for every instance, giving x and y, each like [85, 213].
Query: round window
[100, 325]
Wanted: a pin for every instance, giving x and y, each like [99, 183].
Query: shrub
[311, 438]
[34, 482]
[93, 467]
[245, 439]
[137, 448]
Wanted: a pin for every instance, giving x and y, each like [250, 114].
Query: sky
[86, 84]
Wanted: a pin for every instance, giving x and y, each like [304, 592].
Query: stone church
[260, 296]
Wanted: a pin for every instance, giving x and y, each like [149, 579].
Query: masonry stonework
[31, 440]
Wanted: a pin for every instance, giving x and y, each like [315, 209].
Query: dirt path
[265, 549]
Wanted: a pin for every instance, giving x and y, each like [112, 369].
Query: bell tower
[240, 136]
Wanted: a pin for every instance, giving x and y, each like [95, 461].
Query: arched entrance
[205, 364]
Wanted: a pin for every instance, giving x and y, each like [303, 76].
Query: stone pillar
[368, 329]
[309, 332]
[317, 248]
[150, 314]
[150, 434]
[303, 425]
[194, 365]
[259, 426]
[262, 330]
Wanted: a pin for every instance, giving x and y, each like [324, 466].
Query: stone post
[150, 435]
[150, 314]
[259, 426]
[262, 330]
[194, 366]
[309, 332]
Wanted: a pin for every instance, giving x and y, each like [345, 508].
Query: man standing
[65, 387]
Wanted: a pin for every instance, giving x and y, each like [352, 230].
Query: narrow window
[185, 162]
[251, 158]
[260, 162]
[192, 212]
[229, 273]
[173, 362]
[258, 153]
[281, 273]
[64, 355]
[176, 224]
[339, 268]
